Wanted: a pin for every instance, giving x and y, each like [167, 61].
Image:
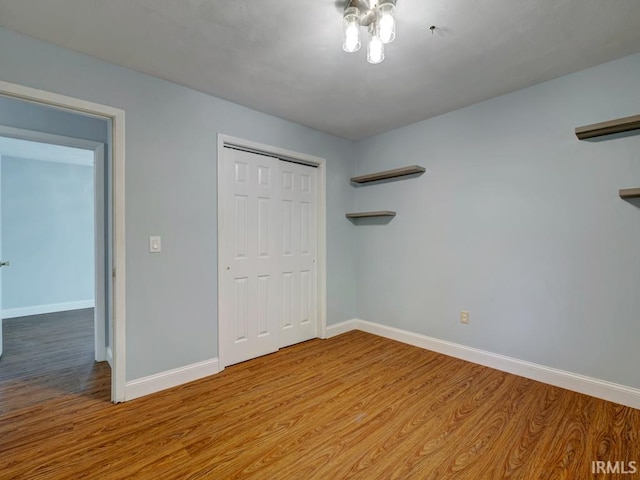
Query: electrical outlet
[464, 316]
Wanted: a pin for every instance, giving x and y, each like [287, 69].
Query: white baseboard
[52, 308]
[101, 354]
[109, 356]
[170, 378]
[603, 389]
[342, 327]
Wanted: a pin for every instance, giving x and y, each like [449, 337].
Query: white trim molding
[342, 327]
[42, 309]
[108, 353]
[20, 143]
[171, 378]
[594, 387]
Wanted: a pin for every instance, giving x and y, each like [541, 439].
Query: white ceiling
[284, 57]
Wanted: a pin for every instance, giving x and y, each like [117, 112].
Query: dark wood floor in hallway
[355, 406]
[50, 356]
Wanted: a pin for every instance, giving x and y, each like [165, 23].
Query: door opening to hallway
[53, 234]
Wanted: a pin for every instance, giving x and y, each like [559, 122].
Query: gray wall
[30, 116]
[47, 233]
[171, 191]
[517, 221]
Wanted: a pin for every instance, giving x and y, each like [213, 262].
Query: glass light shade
[387, 22]
[375, 51]
[351, 23]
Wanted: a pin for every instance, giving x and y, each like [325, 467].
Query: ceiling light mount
[378, 16]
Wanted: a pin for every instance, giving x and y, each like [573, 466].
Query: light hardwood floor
[355, 406]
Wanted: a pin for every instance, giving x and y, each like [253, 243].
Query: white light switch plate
[155, 244]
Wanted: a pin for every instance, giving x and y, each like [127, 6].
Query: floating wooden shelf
[607, 128]
[630, 193]
[381, 213]
[397, 172]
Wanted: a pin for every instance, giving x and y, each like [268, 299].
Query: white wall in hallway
[47, 228]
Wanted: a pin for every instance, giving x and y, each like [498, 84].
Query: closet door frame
[288, 155]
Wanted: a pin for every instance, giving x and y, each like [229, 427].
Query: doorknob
[4, 264]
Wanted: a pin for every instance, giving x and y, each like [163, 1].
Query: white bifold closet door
[268, 244]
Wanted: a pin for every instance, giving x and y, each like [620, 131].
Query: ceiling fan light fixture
[351, 23]
[379, 16]
[387, 21]
[375, 50]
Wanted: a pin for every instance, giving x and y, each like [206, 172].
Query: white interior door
[298, 248]
[267, 253]
[248, 257]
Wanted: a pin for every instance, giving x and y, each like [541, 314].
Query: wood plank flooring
[356, 406]
[48, 356]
